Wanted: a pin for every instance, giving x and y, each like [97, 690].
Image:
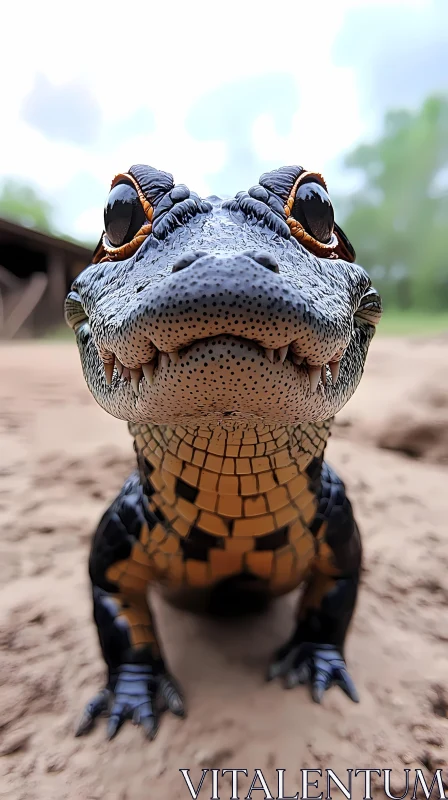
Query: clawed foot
[320, 665]
[136, 694]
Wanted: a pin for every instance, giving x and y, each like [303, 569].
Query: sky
[215, 93]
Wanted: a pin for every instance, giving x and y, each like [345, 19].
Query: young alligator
[227, 334]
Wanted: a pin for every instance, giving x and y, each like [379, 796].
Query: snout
[222, 334]
[243, 296]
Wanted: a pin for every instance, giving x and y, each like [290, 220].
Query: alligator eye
[312, 208]
[123, 214]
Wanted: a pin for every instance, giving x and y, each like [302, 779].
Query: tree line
[398, 218]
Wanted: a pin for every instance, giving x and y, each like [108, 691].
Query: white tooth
[270, 355]
[119, 366]
[136, 374]
[324, 375]
[282, 353]
[297, 359]
[109, 370]
[334, 369]
[148, 371]
[164, 360]
[314, 375]
[174, 356]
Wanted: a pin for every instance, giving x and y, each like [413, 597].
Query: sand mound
[417, 438]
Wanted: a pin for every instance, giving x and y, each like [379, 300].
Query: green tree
[398, 219]
[22, 204]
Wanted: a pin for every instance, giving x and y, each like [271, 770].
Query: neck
[229, 482]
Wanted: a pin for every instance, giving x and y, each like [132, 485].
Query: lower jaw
[228, 383]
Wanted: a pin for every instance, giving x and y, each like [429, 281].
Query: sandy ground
[61, 461]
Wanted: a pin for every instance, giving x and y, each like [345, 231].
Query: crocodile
[227, 334]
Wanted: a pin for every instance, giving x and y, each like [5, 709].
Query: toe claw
[292, 679]
[348, 686]
[113, 726]
[171, 696]
[304, 672]
[177, 707]
[320, 665]
[284, 660]
[97, 706]
[317, 692]
[150, 726]
[274, 671]
[85, 724]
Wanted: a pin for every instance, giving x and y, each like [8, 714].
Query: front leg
[315, 652]
[138, 685]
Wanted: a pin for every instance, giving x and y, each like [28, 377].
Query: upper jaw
[135, 318]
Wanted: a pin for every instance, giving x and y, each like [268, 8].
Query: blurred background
[357, 90]
[218, 93]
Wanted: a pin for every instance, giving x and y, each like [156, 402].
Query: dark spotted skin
[231, 489]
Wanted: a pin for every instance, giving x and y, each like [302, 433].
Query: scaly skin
[227, 335]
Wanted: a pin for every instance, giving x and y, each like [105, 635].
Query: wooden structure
[36, 271]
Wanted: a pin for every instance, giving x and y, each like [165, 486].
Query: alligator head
[222, 312]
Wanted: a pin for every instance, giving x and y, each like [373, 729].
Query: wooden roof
[42, 242]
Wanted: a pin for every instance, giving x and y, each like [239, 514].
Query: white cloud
[165, 56]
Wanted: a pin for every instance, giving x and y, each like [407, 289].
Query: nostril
[187, 259]
[263, 258]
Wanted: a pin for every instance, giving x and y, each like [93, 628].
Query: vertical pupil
[123, 214]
